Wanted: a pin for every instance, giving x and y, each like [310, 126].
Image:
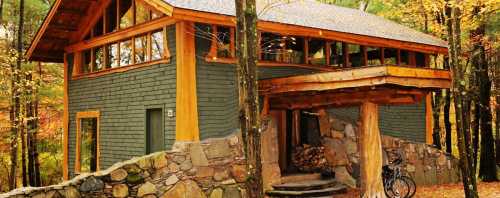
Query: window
[141, 49]
[404, 57]
[126, 13]
[155, 135]
[336, 54]
[87, 142]
[157, 45]
[355, 55]
[390, 56]
[126, 52]
[98, 59]
[222, 45]
[282, 49]
[421, 60]
[317, 52]
[374, 56]
[113, 55]
[142, 13]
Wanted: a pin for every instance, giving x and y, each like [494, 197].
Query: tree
[246, 50]
[461, 98]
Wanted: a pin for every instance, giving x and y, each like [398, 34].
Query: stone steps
[307, 188]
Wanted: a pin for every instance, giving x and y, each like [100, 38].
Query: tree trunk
[436, 111]
[461, 101]
[246, 47]
[370, 152]
[29, 115]
[23, 153]
[475, 115]
[38, 180]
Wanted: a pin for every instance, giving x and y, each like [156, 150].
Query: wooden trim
[186, 122]
[398, 57]
[382, 56]
[428, 118]
[345, 53]
[133, 49]
[213, 46]
[166, 50]
[79, 116]
[296, 127]
[161, 6]
[90, 19]
[119, 69]
[328, 52]
[412, 59]
[364, 58]
[212, 59]
[306, 50]
[43, 28]
[66, 119]
[232, 43]
[265, 107]
[121, 34]
[204, 17]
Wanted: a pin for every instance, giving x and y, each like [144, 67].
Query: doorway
[155, 135]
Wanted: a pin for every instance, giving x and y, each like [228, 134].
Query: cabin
[142, 75]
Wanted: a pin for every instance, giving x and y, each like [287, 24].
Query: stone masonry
[214, 168]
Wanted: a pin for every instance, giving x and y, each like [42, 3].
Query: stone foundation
[213, 168]
[426, 164]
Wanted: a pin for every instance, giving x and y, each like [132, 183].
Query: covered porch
[366, 87]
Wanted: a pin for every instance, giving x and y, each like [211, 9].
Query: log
[370, 152]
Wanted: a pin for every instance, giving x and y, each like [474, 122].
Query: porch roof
[380, 84]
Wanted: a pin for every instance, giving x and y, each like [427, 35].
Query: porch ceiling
[381, 84]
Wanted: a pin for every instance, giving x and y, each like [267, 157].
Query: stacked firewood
[309, 158]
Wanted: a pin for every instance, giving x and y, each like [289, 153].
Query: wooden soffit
[420, 78]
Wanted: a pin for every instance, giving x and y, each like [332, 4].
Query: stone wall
[213, 168]
[425, 164]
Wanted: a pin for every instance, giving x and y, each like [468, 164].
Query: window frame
[79, 116]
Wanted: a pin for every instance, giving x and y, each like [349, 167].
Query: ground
[486, 190]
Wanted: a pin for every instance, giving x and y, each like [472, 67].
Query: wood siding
[122, 98]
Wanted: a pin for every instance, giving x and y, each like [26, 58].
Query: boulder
[146, 189]
[118, 175]
[120, 190]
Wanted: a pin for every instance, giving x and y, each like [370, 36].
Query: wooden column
[296, 127]
[186, 122]
[65, 118]
[428, 118]
[370, 152]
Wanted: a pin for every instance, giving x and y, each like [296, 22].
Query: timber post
[370, 152]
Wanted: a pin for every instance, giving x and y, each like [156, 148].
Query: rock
[335, 152]
[53, 194]
[134, 178]
[350, 132]
[216, 193]
[344, 177]
[173, 167]
[132, 169]
[218, 149]
[118, 175]
[186, 165]
[351, 147]
[92, 184]
[198, 157]
[171, 180]
[229, 181]
[179, 159]
[39, 195]
[185, 189]
[146, 189]
[324, 123]
[204, 171]
[410, 168]
[160, 161]
[191, 172]
[239, 172]
[221, 175]
[120, 190]
[234, 140]
[442, 160]
[71, 192]
[144, 163]
[337, 134]
[232, 192]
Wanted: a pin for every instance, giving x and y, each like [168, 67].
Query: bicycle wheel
[399, 189]
[411, 184]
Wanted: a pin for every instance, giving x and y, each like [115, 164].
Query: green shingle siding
[122, 99]
[402, 121]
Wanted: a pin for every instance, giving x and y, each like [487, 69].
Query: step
[300, 177]
[337, 189]
[305, 185]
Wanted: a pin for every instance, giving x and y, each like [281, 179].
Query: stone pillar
[370, 152]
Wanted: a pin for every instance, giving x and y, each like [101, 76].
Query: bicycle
[397, 185]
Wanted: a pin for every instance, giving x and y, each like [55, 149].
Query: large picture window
[87, 142]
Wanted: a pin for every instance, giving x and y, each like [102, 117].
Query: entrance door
[155, 134]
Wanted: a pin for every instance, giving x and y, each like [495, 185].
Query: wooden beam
[296, 127]
[120, 35]
[265, 107]
[382, 56]
[428, 118]
[345, 53]
[65, 144]
[364, 56]
[370, 145]
[90, 19]
[186, 122]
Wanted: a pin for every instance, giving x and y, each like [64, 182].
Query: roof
[67, 17]
[310, 13]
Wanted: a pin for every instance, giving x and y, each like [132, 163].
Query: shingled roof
[310, 13]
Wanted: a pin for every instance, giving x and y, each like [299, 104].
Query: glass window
[142, 13]
[86, 59]
[420, 59]
[141, 43]
[355, 55]
[374, 55]
[113, 55]
[126, 52]
[317, 52]
[390, 56]
[88, 145]
[271, 46]
[405, 57]
[293, 51]
[126, 14]
[157, 45]
[98, 57]
[111, 17]
[336, 54]
[223, 42]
